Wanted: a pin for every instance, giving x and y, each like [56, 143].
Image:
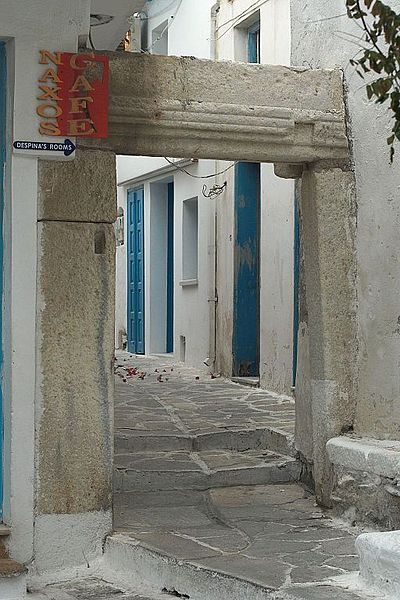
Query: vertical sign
[73, 98]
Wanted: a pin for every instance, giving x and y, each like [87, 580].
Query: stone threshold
[380, 457]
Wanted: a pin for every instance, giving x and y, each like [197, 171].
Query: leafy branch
[382, 33]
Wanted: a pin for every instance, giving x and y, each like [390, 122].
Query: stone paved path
[174, 399]
[92, 588]
[180, 422]
[274, 536]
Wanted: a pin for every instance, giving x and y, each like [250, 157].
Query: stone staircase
[187, 463]
[207, 500]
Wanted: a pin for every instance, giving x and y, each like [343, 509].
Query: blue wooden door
[246, 317]
[3, 81]
[136, 271]
[296, 281]
[170, 270]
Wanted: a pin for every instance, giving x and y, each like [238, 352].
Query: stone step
[266, 438]
[183, 470]
[130, 560]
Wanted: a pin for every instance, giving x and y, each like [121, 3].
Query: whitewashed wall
[189, 33]
[27, 26]
[277, 210]
[378, 216]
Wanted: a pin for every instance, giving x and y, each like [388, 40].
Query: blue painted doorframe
[3, 96]
[246, 318]
[296, 281]
[170, 270]
[135, 281]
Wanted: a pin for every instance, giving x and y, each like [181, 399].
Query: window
[159, 39]
[247, 46]
[190, 240]
[253, 43]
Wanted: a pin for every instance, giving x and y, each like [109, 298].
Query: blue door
[136, 271]
[246, 317]
[170, 270]
[296, 281]
[3, 80]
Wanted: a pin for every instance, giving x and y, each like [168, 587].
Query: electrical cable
[161, 12]
[235, 20]
[91, 39]
[178, 168]
[166, 28]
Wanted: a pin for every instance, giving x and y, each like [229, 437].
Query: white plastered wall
[378, 215]
[27, 26]
[189, 33]
[191, 306]
[277, 209]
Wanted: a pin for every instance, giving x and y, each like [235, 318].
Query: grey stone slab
[157, 461]
[174, 545]
[340, 547]
[313, 573]
[167, 498]
[270, 574]
[162, 518]
[259, 496]
[222, 538]
[265, 548]
[351, 563]
[321, 592]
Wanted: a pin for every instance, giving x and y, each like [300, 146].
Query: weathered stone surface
[75, 381]
[163, 105]
[328, 212]
[267, 537]
[185, 413]
[83, 189]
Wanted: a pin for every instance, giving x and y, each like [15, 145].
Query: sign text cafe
[73, 95]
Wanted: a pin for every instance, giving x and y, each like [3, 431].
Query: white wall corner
[380, 562]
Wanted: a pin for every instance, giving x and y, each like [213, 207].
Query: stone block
[75, 370]
[83, 189]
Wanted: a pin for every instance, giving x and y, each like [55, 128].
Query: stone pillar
[76, 285]
[328, 326]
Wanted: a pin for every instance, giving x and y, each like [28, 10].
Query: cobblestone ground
[88, 589]
[160, 396]
[271, 535]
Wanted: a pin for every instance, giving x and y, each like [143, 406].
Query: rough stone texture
[92, 588]
[187, 410]
[375, 456]
[328, 235]
[163, 105]
[242, 541]
[366, 481]
[181, 470]
[75, 384]
[83, 189]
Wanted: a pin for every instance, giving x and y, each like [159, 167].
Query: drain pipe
[213, 299]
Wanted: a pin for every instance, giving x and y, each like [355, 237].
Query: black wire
[91, 39]
[171, 162]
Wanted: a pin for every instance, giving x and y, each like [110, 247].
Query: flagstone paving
[274, 536]
[175, 427]
[155, 396]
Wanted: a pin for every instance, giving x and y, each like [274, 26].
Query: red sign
[74, 95]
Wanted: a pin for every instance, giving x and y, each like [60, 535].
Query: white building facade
[209, 306]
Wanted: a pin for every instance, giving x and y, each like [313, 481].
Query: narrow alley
[208, 490]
